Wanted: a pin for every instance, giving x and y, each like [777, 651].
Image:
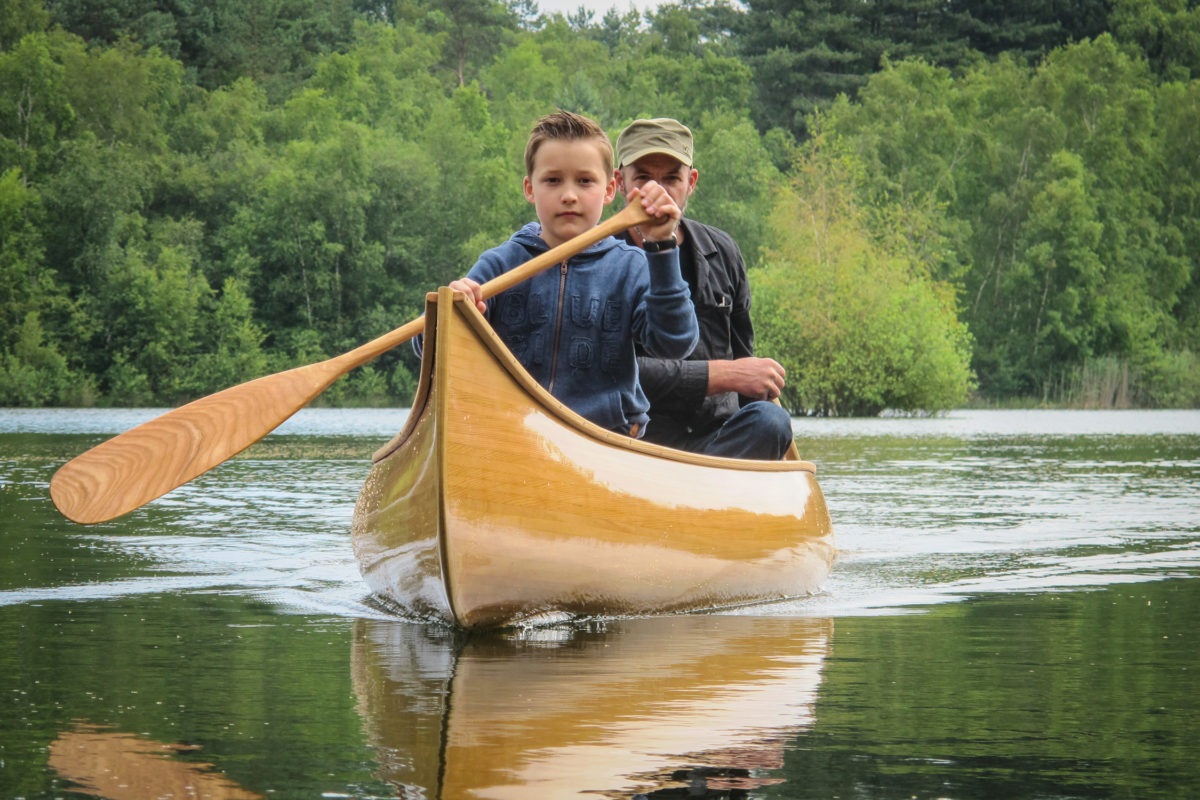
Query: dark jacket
[677, 388]
[574, 328]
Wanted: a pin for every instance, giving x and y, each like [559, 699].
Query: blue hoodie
[573, 328]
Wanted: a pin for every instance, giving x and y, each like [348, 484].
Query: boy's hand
[659, 205]
[472, 290]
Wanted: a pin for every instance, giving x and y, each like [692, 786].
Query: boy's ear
[611, 191]
[528, 186]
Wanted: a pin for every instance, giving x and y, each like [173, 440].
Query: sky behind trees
[599, 7]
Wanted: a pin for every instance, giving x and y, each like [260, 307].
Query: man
[717, 401]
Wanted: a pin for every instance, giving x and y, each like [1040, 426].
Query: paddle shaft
[146, 462]
[626, 218]
[793, 452]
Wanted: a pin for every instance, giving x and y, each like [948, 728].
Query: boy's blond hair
[565, 126]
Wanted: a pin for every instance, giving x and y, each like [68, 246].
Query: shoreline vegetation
[1107, 383]
[940, 203]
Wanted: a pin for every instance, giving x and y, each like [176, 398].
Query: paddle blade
[146, 462]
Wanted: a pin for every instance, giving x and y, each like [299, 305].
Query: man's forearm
[673, 382]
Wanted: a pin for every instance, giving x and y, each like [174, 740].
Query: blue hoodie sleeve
[665, 321]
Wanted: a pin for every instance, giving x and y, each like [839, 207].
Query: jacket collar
[702, 244]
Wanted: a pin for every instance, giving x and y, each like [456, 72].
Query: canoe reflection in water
[120, 766]
[690, 706]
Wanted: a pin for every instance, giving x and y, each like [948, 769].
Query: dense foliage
[850, 306]
[198, 192]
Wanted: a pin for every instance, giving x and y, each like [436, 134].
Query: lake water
[1014, 613]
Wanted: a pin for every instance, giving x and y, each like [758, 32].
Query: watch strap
[660, 245]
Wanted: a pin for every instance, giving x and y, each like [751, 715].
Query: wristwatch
[660, 245]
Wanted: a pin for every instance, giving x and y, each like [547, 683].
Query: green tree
[19, 17]
[150, 304]
[473, 29]
[524, 80]
[1178, 108]
[1028, 30]
[617, 31]
[857, 324]
[34, 111]
[105, 22]
[1052, 293]
[929, 30]
[273, 42]
[1106, 102]
[676, 29]
[1053, 186]
[24, 281]
[804, 54]
[233, 353]
[1165, 32]
[737, 181]
[33, 370]
[908, 130]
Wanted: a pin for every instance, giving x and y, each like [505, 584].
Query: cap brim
[652, 150]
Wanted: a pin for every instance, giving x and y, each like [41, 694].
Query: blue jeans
[759, 430]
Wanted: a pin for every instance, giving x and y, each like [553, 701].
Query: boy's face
[569, 187]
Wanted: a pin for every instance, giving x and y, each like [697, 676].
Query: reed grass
[1172, 381]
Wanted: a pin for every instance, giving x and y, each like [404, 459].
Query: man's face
[669, 172]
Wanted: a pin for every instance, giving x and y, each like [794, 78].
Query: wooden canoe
[497, 505]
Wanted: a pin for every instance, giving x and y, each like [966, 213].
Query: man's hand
[472, 290]
[659, 205]
[760, 378]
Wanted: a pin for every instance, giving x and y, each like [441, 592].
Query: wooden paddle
[146, 462]
[793, 452]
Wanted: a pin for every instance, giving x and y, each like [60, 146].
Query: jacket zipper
[562, 291]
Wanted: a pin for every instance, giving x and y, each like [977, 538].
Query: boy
[574, 328]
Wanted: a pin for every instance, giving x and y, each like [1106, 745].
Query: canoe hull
[496, 504]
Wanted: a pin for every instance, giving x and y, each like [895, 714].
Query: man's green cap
[662, 135]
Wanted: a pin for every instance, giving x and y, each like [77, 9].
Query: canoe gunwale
[552, 405]
[420, 399]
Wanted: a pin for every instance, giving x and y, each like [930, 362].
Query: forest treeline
[935, 198]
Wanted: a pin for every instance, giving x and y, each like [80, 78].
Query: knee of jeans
[773, 417]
